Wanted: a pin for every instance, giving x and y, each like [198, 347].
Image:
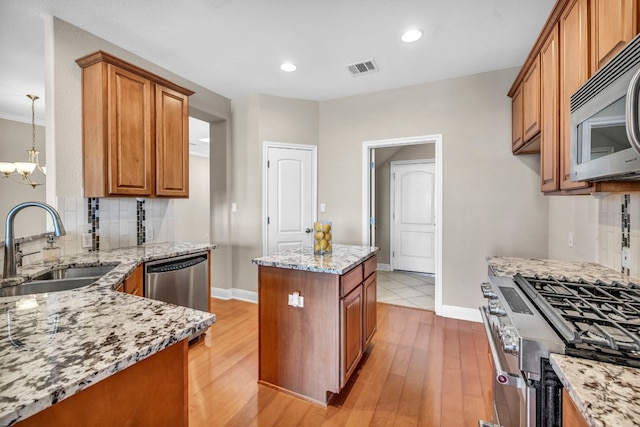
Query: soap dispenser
[50, 253]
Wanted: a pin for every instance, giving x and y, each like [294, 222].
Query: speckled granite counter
[605, 394]
[342, 259]
[509, 266]
[57, 344]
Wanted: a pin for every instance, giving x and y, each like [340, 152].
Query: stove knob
[496, 309]
[510, 344]
[505, 330]
[487, 291]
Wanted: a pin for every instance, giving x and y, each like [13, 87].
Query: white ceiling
[235, 47]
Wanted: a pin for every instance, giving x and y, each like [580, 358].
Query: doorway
[371, 225]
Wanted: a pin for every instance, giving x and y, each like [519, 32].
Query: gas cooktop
[597, 320]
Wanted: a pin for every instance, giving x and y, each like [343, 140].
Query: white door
[290, 197]
[413, 216]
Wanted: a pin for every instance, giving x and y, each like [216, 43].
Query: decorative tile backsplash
[112, 223]
[618, 227]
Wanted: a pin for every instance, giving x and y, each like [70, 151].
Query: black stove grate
[597, 320]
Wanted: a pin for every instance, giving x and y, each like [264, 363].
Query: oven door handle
[502, 376]
[632, 117]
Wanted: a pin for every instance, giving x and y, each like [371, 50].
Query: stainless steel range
[527, 318]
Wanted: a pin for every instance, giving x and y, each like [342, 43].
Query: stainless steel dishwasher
[181, 280]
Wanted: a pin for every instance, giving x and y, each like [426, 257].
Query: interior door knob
[307, 230]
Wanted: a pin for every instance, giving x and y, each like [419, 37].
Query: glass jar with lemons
[322, 237]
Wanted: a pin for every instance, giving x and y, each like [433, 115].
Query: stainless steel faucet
[9, 237]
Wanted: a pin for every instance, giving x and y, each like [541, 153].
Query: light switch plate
[86, 240]
[626, 257]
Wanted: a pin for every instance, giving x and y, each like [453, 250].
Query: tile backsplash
[114, 223]
[110, 222]
[618, 227]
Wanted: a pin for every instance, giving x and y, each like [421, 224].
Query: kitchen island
[317, 316]
[604, 394]
[96, 351]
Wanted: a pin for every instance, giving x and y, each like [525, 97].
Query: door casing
[367, 147]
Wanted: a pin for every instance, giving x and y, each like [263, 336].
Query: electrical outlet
[570, 240]
[86, 240]
[295, 300]
[626, 257]
[148, 234]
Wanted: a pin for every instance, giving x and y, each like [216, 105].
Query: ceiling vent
[362, 67]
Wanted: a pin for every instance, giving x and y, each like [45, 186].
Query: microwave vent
[362, 67]
[628, 58]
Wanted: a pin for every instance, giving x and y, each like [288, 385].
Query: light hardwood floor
[422, 370]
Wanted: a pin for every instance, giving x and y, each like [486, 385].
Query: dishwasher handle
[175, 265]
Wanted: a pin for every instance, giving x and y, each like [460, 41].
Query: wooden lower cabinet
[133, 283]
[352, 328]
[370, 293]
[312, 351]
[151, 393]
[571, 416]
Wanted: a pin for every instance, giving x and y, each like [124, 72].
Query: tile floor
[416, 290]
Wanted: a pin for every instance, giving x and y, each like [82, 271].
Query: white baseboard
[461, 313]
[239, 294]
[384, 267]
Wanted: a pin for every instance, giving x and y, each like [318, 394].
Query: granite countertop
[572, 270]
[605, 394]
[53, 345]
[342, 259]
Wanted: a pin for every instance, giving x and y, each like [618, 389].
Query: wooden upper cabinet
[613, 24]
[574, 72]
[550, 113]
[517, 120]
[135, 130]
[172, 139]
[130, 147]
[531, 102]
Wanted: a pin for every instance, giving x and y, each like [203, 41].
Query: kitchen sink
[62, 279]
[74, 273]
[42, 286]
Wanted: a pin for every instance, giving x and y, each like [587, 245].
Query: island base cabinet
[150, 393]
[352, 325]
[313, 350]
[299, 346]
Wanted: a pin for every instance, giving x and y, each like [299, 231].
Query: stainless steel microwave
[605, 131]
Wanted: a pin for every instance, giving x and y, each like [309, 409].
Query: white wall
[257, 119]
[191, 216]
[491, 201]
[577, 215]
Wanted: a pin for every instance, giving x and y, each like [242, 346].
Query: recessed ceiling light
[288, 67]
[411, 36]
